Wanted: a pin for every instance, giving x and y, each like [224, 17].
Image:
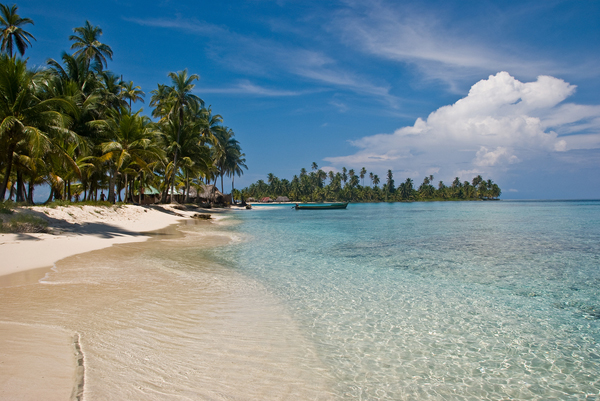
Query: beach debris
[201, 216]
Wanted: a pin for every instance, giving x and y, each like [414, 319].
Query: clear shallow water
[469, 300]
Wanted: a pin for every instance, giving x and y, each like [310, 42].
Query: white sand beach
[41, 361]
[81, 229]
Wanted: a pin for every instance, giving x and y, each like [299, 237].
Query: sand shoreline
[80, 229]
[38, 361]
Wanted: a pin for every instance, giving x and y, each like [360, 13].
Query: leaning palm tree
[12, 32]
[88, 45]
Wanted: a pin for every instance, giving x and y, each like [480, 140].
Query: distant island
[349, 186]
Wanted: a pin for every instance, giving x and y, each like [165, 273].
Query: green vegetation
[345, 186]
[23, 223]
[71, 126]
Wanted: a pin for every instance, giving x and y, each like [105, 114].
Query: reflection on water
[157, 321]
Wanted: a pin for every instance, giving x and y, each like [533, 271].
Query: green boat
[321, 206]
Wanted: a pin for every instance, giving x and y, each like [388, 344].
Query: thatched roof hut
[206, 193]
[282, 199]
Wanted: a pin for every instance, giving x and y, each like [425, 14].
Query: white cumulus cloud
[500, 122]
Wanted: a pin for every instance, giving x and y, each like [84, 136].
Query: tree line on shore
[349, 186]
[70, 125]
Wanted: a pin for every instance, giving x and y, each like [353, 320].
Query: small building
[282, 199]
[150, 195]
[209, 194]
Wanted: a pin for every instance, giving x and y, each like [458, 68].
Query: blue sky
[505, 89]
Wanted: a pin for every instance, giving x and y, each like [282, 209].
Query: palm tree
[24, 116]
[406, 189]
[363, 172]
[171, 103]
[314, 166]
[228, 152]
[87, 43]
[132, 145]
[132, 93]
[390, 182]
[376, 180]
[12, 31]
[235, 167]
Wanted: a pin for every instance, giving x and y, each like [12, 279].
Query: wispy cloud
[189, 25]
[277, 60]
[422, 38]
[247, 88]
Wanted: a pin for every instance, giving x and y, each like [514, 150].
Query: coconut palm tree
[227, 153]
[180, 97]
[236, 164]
[390, 182]
[132, 93]
[24, 116]
[132, 144]
[87, 43]
[376, 180]
[12, 32]
[363, 172]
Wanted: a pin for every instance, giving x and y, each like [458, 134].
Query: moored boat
[320, 206]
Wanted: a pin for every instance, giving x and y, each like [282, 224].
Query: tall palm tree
[132, 93]
[363, 172]
[390, 182]
[87, 43]
[235, 167]
[12, 31]
[228, 155]
[180, 97]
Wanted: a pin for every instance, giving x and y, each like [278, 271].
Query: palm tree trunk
[111, 187]
[20, 187]
[175, 158]
[30, 192]
[187, 187]
[7, 172]
[126, 189]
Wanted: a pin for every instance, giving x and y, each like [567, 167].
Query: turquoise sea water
[441, 300]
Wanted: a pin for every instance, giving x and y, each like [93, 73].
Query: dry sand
[81, 229]
[41, 362]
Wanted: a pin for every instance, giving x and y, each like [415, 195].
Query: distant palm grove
[70, 126]
[349, 185]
